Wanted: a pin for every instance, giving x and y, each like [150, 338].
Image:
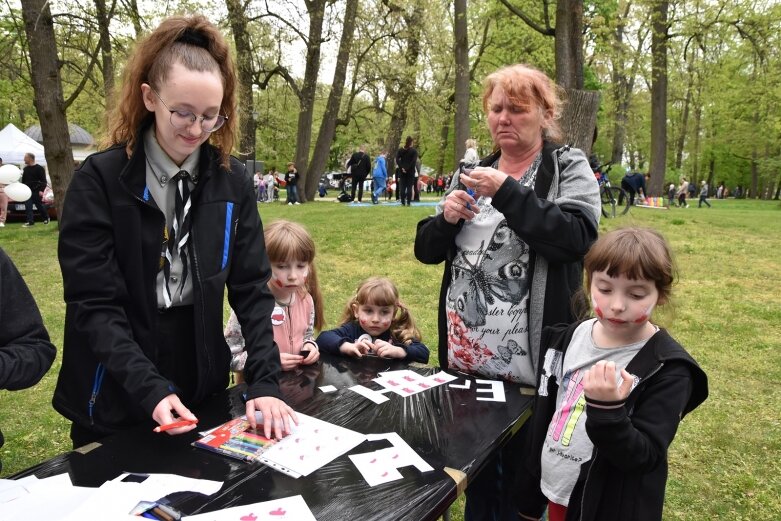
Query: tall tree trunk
[569, 44]
[462, 78]
[328, 125]
[754, 173]
[247, 119]
[104, 18]
[444, 134]
[135, 16]
[407, 79]
[49, 103]
[681, 142]
[580, 118]
[316, 9]
[696, 160]
[658, 96]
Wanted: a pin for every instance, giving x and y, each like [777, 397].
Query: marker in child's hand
[174, 425]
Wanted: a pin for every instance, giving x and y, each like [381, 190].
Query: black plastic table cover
[448, 427]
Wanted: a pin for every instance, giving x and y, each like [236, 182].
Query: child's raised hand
[388, 350]
[290, 362]
[599, 383]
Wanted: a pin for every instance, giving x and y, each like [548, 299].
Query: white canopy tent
[14, 144]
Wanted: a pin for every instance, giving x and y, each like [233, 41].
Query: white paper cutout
[496, 390]
[292, 508]
[374, 396]
[381, 466]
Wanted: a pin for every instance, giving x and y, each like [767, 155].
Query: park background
[681, 87]
[688, 87]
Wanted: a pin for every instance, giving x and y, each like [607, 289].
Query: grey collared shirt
[160, 170]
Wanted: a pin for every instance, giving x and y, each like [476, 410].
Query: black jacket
[359, 165]
[627, 473]
[330, 341]
[109, 251]
[25, 350]
[406, 161]
[558, 233]
[34, 176]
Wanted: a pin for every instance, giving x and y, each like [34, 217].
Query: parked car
[18, 213]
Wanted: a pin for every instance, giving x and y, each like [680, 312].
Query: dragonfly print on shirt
[498, 272]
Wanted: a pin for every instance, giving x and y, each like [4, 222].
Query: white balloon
[9, 174]
[18, 192]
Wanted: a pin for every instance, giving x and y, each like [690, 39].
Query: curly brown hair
[193, 42]
[380, 291]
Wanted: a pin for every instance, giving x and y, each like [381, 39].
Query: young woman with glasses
[153, 229]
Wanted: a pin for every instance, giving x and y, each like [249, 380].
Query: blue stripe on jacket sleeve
[227, 241]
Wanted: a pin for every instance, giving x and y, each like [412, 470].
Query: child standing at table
[299, 305]
[612, 391]
[375, 321]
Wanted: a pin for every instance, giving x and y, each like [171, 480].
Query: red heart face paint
[375, 320]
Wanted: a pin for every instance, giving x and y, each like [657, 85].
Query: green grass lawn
[724, 463]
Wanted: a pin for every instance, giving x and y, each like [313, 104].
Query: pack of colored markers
[235, 438]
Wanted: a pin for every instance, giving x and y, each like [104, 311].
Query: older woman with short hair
[512, 233]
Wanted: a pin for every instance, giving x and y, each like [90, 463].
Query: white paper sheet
[292, 508]
[312, 444]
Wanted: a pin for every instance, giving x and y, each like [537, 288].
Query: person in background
[683, 190]
[470, 155]
[633, 184]
[380, 177]
[3, 202]
[359, 166]
[406, 165]
[153, 231]
[671, 195]
[512, 232]
[25, 350]
[271, 184]
[34, 176]
[703, 194]
[260, 187]
[291, 183]
[376, 322]
[612, 392]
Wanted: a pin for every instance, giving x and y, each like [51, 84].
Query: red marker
[174, 425]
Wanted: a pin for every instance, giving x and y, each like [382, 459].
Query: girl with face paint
[375, 322]
[298, 309]
[612, 390]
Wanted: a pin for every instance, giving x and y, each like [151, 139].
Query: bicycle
[614, 199]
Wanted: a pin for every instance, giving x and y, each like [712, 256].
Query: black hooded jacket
[627, 473]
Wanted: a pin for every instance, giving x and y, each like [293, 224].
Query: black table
[453, 431]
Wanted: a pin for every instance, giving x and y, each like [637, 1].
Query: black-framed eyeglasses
[184, 118]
